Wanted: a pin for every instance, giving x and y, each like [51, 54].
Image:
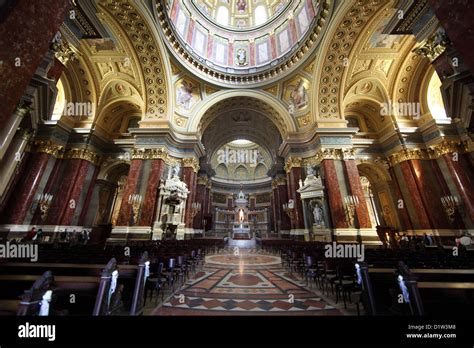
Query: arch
[288, 124]
[240, 172]
[222, 171]
[260, 171]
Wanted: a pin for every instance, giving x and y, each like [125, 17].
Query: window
[60, 103]
[435, 99]
[260, 15]
[222, 16]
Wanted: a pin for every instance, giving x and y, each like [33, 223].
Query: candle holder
[44, 203]
[450, 205]
[350, 204]
[195, 209]
[289, 209]
[135, 201]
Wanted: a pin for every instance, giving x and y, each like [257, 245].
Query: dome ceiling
[242, 42]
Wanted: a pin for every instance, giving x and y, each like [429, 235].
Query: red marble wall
[125, 212]
[283, 198]
[409, 180]
[90, 192]
[456, 18]
[403, 212]
[21, 200]
[432, 188]
[201, 198]
[293, 178]
[70, 187]
[461, 173]
[26, 33]
[353, 177]
[151, 194]
[336, 206]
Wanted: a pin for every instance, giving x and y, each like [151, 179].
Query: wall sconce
[195, 209]
[450, 205]
[44, 203]
[289, 209]
[350, 204]
[135, 201]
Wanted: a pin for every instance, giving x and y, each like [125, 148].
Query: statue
[241, 215]
[318, 215]
[176, 169]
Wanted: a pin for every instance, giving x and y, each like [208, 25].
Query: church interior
[236, 157]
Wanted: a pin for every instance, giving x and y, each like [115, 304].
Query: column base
[127, 233]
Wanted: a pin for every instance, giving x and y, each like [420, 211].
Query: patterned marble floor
[248, 284]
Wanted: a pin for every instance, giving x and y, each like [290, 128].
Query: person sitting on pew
[30, 235]
[39, 235]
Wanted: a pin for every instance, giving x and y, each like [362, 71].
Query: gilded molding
[153, 154]
[203, 180]
[433, 47]
[191, 162]
[329, 154]
[293, 162]
[279, 181]
[431, 153]
[47, 146]
[83, 154]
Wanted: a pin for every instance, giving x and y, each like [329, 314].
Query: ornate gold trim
[279, 181]
[293, 162]
[431, 153]
[83, 154]
[155, 153]
[203, 180]
[46, 146]
[191, 162]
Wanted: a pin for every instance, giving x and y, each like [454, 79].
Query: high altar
[241, 225]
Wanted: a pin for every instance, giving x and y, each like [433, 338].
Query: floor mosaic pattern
[245, 284]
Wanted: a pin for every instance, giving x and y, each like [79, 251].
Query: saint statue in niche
[241, 57]
[241, 215]
[299, 95]
[318, 215]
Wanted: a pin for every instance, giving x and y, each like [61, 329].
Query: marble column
[25, 37]
[125, 213]
[432, 187]
[402, 211]
[282, 198]
[190, 178]
[66, 199]
[22, 199]
[356, 189]
[151, 195]
[201, 197]
[412, 193]
[461, 173]
[456, 18]
[336, 205]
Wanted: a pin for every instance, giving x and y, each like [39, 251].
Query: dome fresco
[243, 37]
